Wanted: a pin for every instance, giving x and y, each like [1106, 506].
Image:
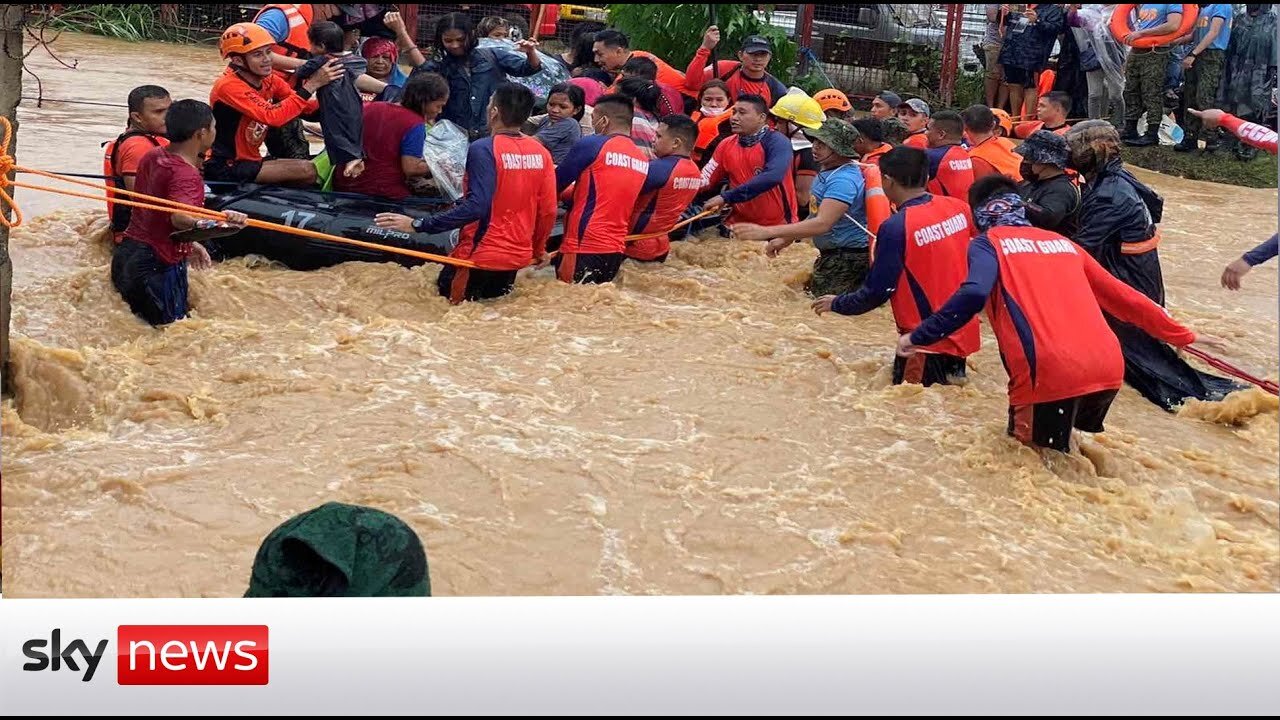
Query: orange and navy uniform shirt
[120, 160]
[671, 186]
[607, 173]
[1045, 298]
[950, 171]
[762, 188]
[508, 207]
[919, 263]
[730, 71]
[244, 113]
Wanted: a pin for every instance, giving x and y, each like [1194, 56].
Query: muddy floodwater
[693, 428]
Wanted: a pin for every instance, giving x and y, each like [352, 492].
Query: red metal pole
[409, 13]
[804, 33]
[951, 52]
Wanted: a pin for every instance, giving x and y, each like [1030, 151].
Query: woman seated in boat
[393, 138]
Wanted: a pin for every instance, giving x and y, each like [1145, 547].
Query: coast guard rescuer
[508, 210]
[919, 263]
[1044, 297]
[607, 172]
[247, 100]
[672, 183]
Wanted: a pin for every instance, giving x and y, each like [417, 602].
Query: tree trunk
[10, 93]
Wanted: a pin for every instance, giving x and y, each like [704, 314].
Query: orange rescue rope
[150, 202]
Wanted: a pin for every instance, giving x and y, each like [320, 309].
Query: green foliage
[127, 22]
[674, 32]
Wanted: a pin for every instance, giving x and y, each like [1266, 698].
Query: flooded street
[692, 429]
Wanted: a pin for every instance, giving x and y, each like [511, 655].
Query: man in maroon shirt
[149, 267]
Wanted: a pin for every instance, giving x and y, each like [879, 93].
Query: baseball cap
[919, 107]
[891, 99]
[757, 43]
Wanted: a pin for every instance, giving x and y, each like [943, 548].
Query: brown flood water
[692, 429]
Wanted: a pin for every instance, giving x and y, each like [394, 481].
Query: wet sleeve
[482, 181]
[777, 163]
[546, 213]
[514, 63]
[131, 154]
[578, 160]
[251, 104]
[659, 173]
[274, 22]
[886, 271]
[697, 74]
[775, 87]
[1128, 305]
[412, 142]
[1049, 211]
[310, 67]
[1263, 138]
[1262, 253]
[1101, 215]
[713, 173]
[960, 308]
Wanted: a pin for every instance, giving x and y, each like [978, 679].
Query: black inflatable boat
[343, 214]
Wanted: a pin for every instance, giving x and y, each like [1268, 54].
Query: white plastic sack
[553, 71]
[445, 151]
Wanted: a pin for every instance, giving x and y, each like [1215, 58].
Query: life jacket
[709, 128]
[998, 152]
[876, 204]
[297, 44]
[119, 214]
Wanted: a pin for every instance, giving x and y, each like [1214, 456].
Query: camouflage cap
[1046, 148]
[837, 135]
[895, 131]
[339, 550]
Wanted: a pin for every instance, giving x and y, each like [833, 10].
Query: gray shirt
[559, 136]
[992, 36]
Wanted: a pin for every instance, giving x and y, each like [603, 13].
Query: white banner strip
[1115, 654]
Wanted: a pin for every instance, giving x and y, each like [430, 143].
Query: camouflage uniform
[1200, 92]
[339, 550]
[1251, 70]
[1144, 90]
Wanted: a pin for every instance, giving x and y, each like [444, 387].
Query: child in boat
[341, 107]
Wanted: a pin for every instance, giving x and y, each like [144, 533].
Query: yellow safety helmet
[797, 107]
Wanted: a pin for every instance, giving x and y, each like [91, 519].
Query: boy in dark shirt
[341, 109]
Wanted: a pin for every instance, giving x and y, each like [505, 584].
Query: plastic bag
[1110, 53]
[445, 151]
[553, 71]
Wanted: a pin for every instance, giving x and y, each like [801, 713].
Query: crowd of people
[936, 213]
[1156, 68]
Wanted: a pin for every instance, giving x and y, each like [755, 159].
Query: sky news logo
[160, 655]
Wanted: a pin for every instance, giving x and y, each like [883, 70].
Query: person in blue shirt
[1203, 67]
[837, 219]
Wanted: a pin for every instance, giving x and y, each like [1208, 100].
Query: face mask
[1028, 171]
[717, 112]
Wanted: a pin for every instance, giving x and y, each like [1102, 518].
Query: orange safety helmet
[1004, 121]
[833, 99]
[244, 38]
